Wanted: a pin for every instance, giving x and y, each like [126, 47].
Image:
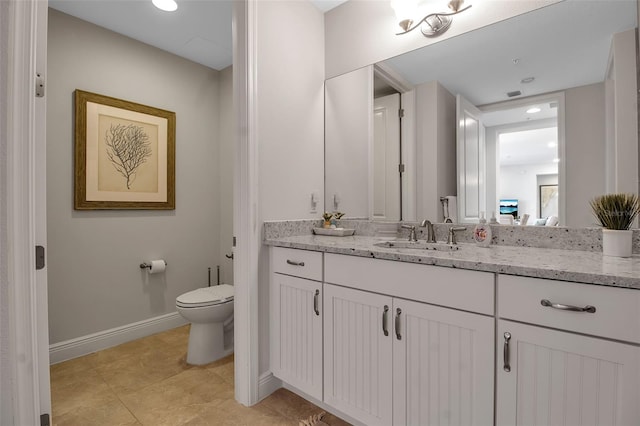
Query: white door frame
[246, 228]
[25, 140]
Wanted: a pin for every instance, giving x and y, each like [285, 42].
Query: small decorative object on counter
[482, 232]
[616, 213]
[327, 219]
[335, 218]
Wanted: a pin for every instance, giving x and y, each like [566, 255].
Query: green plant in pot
[616, 213]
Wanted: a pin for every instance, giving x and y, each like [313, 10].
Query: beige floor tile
[176, 337]
[148, 383]
[135, 372]
[112, 413]
[231, 413]
[290, 405]
[83, 390]
[170, 399]
[72, 367]
[224, 370]
[140, 347]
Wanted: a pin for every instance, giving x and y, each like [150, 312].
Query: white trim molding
[73, 348]
[21, 209]
[245, 205]
[268, 384]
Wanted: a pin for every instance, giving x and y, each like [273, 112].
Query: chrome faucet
[412, 232]
[431, 234]
[452, 234]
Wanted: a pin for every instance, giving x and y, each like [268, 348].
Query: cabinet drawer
[299, 263]
[455, 288]
[616, 316]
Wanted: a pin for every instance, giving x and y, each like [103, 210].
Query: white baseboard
[85, 345]
[267, 384]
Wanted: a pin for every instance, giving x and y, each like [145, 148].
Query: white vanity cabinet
[549, 371]
[296, 318]
[389, 360]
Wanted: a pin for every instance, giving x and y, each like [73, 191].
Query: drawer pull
[385, 314]
[590, 309]
[398, 335]
[507, 337]
[294, 263]
[315, 302]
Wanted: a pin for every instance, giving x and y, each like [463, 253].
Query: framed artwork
[548, 200]
[124, 154]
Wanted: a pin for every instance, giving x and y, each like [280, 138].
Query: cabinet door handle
[398, 335]
[507, 337]
[294, 263]
[385, 314]
[590, 309]
[315, 302]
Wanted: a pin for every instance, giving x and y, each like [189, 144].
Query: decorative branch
[128, 147]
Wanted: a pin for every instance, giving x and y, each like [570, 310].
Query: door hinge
[401, 112]
[39, 258]
[401, 168]
[234, 241]
[39, 85]
[45, 420]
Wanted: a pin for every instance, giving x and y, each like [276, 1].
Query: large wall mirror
[529, 118]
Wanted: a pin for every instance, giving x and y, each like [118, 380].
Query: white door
[471, 162]
[296, 332]
[28, 351]
[556, 377]
[386, 158]
[358, 354]
[443, 366]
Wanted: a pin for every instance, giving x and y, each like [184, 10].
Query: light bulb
[166, 5]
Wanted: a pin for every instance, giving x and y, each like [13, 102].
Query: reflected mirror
[528, 112]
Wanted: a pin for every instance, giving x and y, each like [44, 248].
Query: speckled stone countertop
[558, 264]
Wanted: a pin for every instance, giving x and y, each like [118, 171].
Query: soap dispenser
[482, 232]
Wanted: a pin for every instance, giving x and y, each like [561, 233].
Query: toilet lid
[206, 296]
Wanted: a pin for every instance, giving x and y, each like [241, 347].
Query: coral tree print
[128, 158]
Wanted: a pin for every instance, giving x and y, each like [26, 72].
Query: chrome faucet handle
[431, 234]
[452, 234]
[412, 232]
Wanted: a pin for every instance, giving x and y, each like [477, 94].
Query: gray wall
[94, 279]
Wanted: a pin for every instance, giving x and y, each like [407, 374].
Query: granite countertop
[558, 264]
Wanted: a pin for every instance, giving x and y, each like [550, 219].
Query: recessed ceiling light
[533, 110]
[556, 160]
[527, 80]
[552, 144]
[166, 5]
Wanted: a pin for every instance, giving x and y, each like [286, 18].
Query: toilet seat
[206, 296]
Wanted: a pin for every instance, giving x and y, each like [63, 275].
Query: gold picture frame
[124, 154]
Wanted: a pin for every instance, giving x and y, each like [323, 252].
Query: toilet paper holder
[145, 265]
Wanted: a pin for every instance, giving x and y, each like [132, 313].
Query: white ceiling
[528, 147]
[200, 30]
[563, 45]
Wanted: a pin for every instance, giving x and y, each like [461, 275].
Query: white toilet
[210, 312]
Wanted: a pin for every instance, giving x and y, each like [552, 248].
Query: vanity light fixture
[431, 25]
[166, 5]
[533, 110]
[527, 80]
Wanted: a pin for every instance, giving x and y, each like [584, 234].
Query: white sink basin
[420, 245]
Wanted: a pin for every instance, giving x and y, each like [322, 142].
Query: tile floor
[147, 382]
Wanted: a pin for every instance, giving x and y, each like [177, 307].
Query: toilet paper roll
[157, 266]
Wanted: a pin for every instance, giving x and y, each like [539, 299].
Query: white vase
[617, 243]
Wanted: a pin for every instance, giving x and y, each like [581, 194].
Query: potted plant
[616, 213]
